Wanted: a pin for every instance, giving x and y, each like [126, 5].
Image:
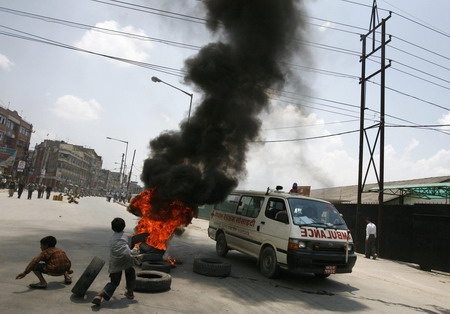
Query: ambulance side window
[229, 205]
[250, 206]
[274, 206]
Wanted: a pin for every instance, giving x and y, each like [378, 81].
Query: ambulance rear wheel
[221, 245]
[268, 263]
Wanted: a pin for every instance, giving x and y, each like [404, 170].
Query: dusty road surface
[83, 230]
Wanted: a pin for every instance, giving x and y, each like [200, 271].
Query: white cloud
[414, 143]
[404, 167]
[445, 120]
[115, 45]
[324, 27]
[5, 63]
[73, 108]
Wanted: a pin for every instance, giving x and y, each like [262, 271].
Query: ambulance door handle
[263, 222]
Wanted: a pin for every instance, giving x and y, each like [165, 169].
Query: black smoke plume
[203, 162]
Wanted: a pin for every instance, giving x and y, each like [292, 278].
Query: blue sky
[83, 98]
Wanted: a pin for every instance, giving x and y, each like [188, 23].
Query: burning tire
[152, 281]
[221, 245]
[212, 267]
[268, 263]
[88, 277]
[158, 266]
[152, 257]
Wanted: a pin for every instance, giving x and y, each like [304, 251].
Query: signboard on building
[7, 156]
[21, 166]
[304, 190]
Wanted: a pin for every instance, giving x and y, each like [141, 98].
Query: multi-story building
[15, 135]
[62, 165]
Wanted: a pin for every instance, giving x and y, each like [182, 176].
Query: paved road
[83, 230]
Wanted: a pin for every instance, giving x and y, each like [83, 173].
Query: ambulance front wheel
[268, 263]
[221, 245]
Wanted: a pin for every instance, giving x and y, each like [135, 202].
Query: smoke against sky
[203, 161]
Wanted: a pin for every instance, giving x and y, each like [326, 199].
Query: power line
[425, 26]
[31, 37]
[432, 28]
[305, 138]
[145, 9]
[411, 96]
[99, 29]
[309, 125]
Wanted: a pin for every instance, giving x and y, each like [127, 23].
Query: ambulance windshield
[314, 213]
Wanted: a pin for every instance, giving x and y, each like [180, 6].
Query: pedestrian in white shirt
[371, 237]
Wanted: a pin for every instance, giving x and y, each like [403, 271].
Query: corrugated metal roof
[349, 194]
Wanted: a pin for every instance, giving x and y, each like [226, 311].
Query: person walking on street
[48, 189]
[30, 189]
[371, 237]
[20, 189]
[120, 260]
[11, 188]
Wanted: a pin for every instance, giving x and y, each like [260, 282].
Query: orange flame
[161, 225]
[171, 260]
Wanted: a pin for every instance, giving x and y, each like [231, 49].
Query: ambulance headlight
[296, 244]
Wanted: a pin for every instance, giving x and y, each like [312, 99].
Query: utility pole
[120, 173]
[377, 46]
[131, 168]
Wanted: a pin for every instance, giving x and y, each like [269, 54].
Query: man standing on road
[371, 237]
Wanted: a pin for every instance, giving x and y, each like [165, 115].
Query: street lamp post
[157, 80]
[126, 153]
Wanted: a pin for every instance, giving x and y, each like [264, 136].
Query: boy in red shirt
[51, 261]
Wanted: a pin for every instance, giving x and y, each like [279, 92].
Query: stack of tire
[154, 276]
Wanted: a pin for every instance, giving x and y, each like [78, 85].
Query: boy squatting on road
[120, 260]
[51, 261]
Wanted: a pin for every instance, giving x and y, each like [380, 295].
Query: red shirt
[56, 261]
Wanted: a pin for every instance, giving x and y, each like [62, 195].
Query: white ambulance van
[283, 231]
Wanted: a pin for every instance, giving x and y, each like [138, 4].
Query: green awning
[428, 191]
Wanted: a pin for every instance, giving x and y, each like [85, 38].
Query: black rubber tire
[152, 257]
[88, 277]
[212, 267]
[268, 263]
[321, 276]
[221, 245]
[158, 266]
[152, 281]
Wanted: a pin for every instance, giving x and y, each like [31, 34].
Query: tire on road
[152, 257]
[268, 264]
[158, 266]
[88, 277]
[221, 245]
[212, 267]
[152, 281]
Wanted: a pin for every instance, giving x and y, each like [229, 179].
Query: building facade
[67, 166]
[15, 136]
